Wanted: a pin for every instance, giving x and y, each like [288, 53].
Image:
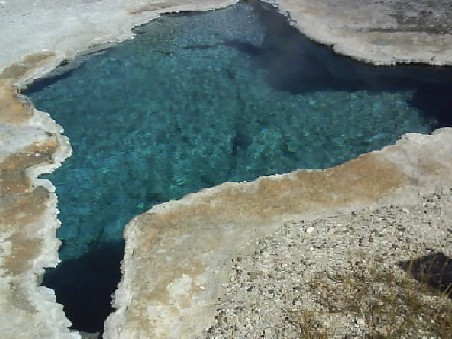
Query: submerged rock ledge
[176, 253]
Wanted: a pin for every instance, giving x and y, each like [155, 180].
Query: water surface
[202, 98]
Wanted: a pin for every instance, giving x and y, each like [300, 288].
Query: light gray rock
[380, 32]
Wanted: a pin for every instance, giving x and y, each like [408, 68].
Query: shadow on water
[84, 286]
[293, 64]
[298, 65]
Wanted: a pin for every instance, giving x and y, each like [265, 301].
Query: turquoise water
[198, 99]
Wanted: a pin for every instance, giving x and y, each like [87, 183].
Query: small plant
[376, 301]
[309, 325]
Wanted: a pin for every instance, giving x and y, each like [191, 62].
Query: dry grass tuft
[376, 301]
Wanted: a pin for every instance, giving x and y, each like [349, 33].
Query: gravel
[267, 288]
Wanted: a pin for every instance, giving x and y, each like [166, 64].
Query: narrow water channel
[197, 99]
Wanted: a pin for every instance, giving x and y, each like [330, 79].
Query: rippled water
[198, 99]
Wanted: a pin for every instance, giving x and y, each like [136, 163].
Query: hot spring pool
[197, 99]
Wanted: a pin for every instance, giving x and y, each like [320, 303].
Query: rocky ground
[335, 277]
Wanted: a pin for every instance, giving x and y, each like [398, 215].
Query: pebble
[270, 288]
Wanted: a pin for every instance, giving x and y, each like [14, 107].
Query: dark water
[196, 100]
[85, 285]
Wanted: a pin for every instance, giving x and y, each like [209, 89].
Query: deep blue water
[201, 98]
